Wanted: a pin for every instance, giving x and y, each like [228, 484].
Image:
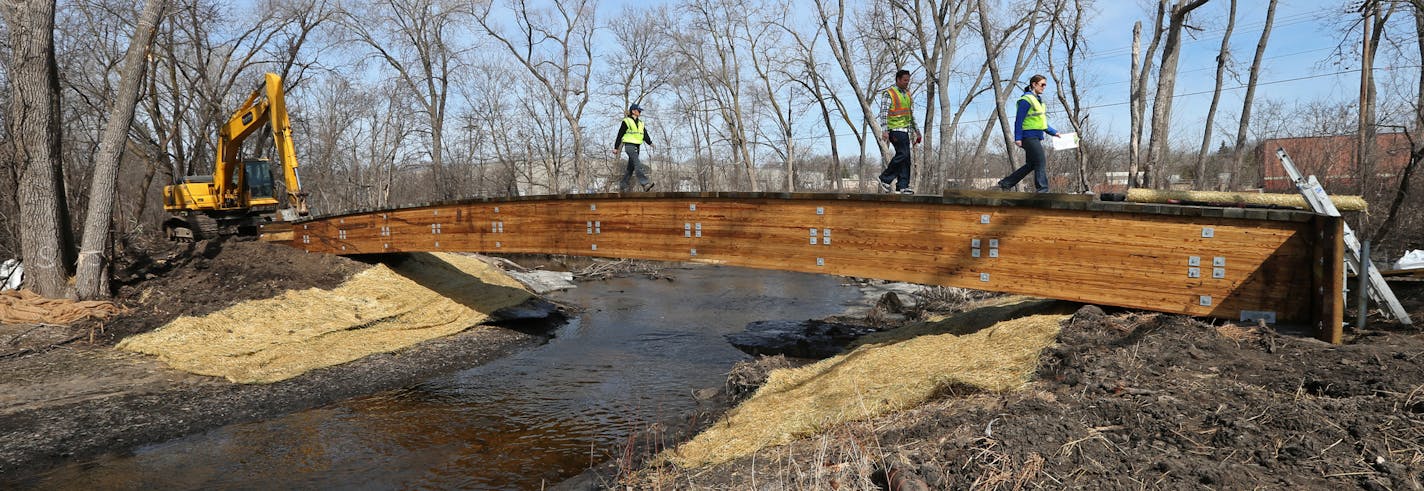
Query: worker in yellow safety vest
[632, 135]
[1030, 125]
[897, 117]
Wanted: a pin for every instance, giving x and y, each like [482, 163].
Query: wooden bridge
[1230, 263]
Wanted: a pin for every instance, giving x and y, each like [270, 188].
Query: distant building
[1116, 182]
[1332, 160]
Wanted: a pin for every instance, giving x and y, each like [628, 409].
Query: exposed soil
[1136, 400]
[165, 280]
[68, 394]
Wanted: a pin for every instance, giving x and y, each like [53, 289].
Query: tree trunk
[840, 49]
[1416, 153]
[1134, 132]
[1166, 82]
[1372, 28]
[1137, 97]
[97, 224]
[1222, 56]
[46, 238]
[992, 54]
[1030, 44]
[1238, 153]
[1071, 99]
[948, 119]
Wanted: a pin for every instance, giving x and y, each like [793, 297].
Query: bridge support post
[1328, 278]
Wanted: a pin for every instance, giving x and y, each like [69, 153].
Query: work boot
[647, 187]
[907, 191]
[885, 187]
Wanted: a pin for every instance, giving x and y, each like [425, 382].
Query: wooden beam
[1199, 261]
[1328, 278]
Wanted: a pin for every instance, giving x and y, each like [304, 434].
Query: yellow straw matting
[379, 310]
[871, 381]
[1288, 200]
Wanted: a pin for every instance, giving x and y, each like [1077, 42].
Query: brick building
[1331, 159]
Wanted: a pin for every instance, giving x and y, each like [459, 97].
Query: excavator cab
[260, 185]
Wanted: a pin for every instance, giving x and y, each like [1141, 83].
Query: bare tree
[1069, 31]
[1374, 17]
[1239, 151]
[766, 45]
[711, 46]
[640, 41]
[563, 71]
[935, 28]
[91, 280]
[839, 39]
[1137, 96]
[1166, 83]
[1416, 151]
[416, 38]
[1003, 88]
[33, 127]
[808, 74]
[1223, 56]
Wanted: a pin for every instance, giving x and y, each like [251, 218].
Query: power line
[1117, 104]
[1288, 21]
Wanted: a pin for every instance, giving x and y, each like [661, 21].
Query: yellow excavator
[240, 196]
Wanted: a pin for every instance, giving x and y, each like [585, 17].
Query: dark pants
[899, 168]
[1034, 162]
[635, 166]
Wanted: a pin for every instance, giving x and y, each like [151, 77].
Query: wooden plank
[275, 232]
[1328, 278]
[1108, 255]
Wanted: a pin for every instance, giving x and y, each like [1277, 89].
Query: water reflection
[631, 359]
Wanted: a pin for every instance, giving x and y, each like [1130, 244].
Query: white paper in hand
[1065, 141]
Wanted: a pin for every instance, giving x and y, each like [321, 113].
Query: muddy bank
[67, 394]
[1128, 399]
[116, 401]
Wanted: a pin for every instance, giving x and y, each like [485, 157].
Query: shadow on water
[630, 359]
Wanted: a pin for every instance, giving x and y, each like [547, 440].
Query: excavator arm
[266, 105]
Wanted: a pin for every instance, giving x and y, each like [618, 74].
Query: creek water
[632, 358]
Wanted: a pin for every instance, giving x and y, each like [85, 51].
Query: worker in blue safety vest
[632, 135]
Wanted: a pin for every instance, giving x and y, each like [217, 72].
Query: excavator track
[204, 227]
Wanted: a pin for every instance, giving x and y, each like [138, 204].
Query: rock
[799, 339]
[534, 308]
[748, 376]
[890, 303]
[540, 281]
[1088, 313]
[898, 480]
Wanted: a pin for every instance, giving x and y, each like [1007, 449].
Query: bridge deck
[1201, 261]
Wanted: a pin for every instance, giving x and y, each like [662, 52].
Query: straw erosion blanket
[1125, 400]
[382, 309]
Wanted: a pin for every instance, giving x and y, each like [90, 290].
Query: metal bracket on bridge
[823, 239]
[975, 244]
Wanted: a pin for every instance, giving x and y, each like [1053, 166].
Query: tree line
[403, 101]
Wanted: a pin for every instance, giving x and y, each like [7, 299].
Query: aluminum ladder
[1315, 195]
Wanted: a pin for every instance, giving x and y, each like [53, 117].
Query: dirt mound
[164, 280]
[1139, 400]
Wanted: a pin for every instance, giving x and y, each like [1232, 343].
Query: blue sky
[1298, 65]
[1297, 59]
